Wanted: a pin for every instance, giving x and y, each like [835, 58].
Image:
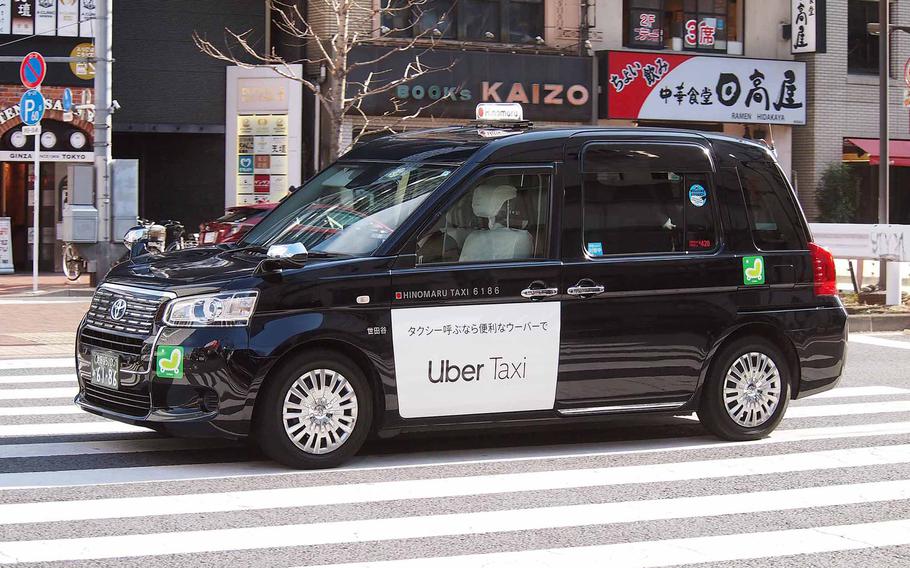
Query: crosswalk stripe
[845, 392]
[879, 341]
[39, 410]
[30, 379]
[487, 522]
[40, 393]
[67, 429]
[848, 409]
[98, 447]
[679, 551]
[49, 363]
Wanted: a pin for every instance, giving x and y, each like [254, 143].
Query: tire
[748, 412]
[325, 442]
[72, 264]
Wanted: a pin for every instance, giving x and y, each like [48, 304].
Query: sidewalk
[42, 325]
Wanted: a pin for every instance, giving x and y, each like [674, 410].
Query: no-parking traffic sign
[32, 70]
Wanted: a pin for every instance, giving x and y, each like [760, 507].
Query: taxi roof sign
[510, 112]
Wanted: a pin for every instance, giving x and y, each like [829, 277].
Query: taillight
[823, 273]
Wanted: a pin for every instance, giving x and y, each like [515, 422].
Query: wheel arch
[326, 345]
[767, 332]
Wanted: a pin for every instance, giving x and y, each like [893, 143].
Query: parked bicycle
[150, 237]
[74, 265]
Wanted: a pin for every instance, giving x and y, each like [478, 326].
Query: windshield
[350, 208]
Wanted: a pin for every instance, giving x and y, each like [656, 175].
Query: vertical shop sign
[5, 16]
[807, 19]
[46, 17]
[6, 246]
[646, 29]
[23, 17]
[87, 22]
[68, 18]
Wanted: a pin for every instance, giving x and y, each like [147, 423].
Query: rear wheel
[747, 392]
[72, 262]
[316, 412]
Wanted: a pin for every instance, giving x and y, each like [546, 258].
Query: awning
[898, 150]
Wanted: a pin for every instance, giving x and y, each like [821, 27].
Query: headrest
[460, 215]
[489, 199]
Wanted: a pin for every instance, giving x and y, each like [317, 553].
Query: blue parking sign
[31, 107]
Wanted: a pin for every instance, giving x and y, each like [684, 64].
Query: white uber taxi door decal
[456, 360]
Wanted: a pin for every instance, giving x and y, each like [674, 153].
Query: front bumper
[210, 399]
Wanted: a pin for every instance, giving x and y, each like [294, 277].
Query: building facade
[843, 119]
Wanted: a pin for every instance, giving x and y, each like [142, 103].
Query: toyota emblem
[118, 309]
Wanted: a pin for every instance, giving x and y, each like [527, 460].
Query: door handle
[535, 293]
[585, 290]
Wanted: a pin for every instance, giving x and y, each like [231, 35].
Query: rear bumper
[821, 348]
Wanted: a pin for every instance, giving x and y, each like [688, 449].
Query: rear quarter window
[773, 213]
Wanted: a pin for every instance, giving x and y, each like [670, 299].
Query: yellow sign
[82, 69]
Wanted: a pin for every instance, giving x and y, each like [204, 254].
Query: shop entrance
[16, 199]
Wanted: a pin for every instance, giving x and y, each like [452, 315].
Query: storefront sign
[28, 156]
[6, 246]
[48, 17]
[549, 87]
[263, 135]
[807, 19]
[646, 28]
[658, 86]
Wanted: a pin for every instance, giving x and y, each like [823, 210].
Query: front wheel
[747, 391]
[315, 412]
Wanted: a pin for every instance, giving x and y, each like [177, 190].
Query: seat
[498, 241]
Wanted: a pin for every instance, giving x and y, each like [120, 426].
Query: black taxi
[475, 276]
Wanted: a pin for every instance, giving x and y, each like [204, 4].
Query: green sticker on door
[169, 362]
[753, 270]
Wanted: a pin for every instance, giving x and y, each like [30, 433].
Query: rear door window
[646, 199]
[773, 212]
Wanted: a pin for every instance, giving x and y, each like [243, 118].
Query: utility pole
[103, 97]
[884, 37]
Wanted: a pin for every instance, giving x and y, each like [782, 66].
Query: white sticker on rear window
[454, 360]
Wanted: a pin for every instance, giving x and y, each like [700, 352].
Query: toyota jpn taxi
[476, 276]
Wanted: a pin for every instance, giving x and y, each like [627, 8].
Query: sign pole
[36, 236]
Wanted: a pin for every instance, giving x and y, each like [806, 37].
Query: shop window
[505, 21]
[772, 210]
[634, 206]
[710, 26]
[503, 217]
[862, 47]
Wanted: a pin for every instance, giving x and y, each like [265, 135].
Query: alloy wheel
[752, 389]
[319, 411]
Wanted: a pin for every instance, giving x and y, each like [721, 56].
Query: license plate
[105, 368]
[209, 237]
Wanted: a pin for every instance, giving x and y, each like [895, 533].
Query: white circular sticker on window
[697, 195]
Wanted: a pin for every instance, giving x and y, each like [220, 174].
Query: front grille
[112, 341]
[138, 319]
[133, 404]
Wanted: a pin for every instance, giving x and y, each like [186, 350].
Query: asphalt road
[831, 487]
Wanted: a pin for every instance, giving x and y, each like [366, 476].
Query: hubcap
[319, 412]
[752, 389]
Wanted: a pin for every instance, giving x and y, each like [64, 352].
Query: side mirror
[282, 256]
[135, 235]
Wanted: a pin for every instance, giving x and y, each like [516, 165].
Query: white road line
[679, 551]
[40, 410]
[488, 522]
[8, 451]
[27, 394]
[50, 363]
[29, 379]
[845, 392]
[878, 341]
[848, 409]
[324, 495]
[67, 429]
[18, 301]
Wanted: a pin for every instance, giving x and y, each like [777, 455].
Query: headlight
[215, 310]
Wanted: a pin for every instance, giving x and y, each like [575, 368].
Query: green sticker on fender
[753, 270]
[169, 362]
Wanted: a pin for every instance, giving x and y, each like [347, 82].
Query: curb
[51, 295]
[878, 322]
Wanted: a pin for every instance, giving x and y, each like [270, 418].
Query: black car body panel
[643, 344]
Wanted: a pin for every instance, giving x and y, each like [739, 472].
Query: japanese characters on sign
[807, 19]
[704, 88]
[453, 360]
[646, 29]
[48, 17]
[702, 34]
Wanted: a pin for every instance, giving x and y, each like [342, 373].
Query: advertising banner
[23, 17]
[699, 88]
[807, 19]
[453, 360]
[6, 246]
[5, 16]
[46, 17]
